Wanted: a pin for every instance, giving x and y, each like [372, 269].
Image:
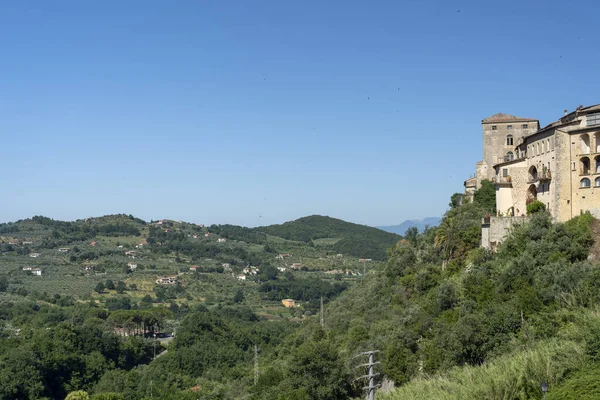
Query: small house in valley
[167, 280]
[289, 303]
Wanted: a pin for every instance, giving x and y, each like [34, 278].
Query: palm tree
[446, 239]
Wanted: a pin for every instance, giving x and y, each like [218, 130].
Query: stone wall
[495, 229]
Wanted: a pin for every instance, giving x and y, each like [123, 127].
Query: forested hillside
[358, 240]
[452, 321]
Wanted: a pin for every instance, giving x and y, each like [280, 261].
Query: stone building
[558, 164]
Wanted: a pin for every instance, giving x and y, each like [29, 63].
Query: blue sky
[258, 112]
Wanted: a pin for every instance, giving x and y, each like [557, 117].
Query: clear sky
[259, 112]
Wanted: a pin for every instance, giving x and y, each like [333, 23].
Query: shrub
[535, 206]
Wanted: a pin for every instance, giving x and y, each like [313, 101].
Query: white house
[132, 266]
[241, 277]
[34, 255]
[36, 271]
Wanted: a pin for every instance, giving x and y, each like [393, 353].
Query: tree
[3, 283]
[99, 287]
[317, 370]
[456, 200]
[446, 237]
[133, 286]
[110, 284]
[485, 196]
[412, 234]
[239, 296]
[120, 287]
[535, 206]
[78, 395]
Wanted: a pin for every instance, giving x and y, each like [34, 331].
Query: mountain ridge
[401, 228]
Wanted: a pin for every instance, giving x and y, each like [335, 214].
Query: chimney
[566, 112]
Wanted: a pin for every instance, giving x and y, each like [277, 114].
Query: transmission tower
[370, 374]
[322, 314]
[255, 364]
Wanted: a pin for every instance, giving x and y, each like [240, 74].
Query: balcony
[543, 176]
[502, 180]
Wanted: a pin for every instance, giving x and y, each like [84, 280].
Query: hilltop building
[558, 165]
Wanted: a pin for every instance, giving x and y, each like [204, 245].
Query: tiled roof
[500, 117]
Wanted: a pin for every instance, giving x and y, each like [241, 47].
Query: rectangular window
[504, 172]
[494, 127]
[593, 119]
[509, 127]
[524, 126]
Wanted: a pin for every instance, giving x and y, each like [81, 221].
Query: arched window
[510, 156]
[548, 144]
[597, 182]
[538, 149]
[584, 183]
[584, 166]
[585, 143]
[597, 162]
[543, 147]
[597, 136]
[509, 140]
[531, 194]
[533, 176]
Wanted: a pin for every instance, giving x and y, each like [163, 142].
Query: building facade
[558, 164]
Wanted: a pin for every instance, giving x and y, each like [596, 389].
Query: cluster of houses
[247, 272]
[33, 271]
[342, 272]
[282, 256]
[167, 280]
[18, 242]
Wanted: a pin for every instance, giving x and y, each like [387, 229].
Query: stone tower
[501, 134]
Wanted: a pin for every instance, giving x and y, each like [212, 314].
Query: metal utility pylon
[322, 315]
[370, 374]
[255, 364]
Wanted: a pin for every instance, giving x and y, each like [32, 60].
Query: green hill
[358, 240]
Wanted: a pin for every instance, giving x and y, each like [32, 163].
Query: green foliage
[456, 200]
[513, 376]
[485, 196]
[581, 385]
[316, 371]
[99, 288]
[78, 395]
[107, 396]
[535, 207]
[358, 240]
[239, 296]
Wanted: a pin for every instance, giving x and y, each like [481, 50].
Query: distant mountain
[419, 223]
[354, 239]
